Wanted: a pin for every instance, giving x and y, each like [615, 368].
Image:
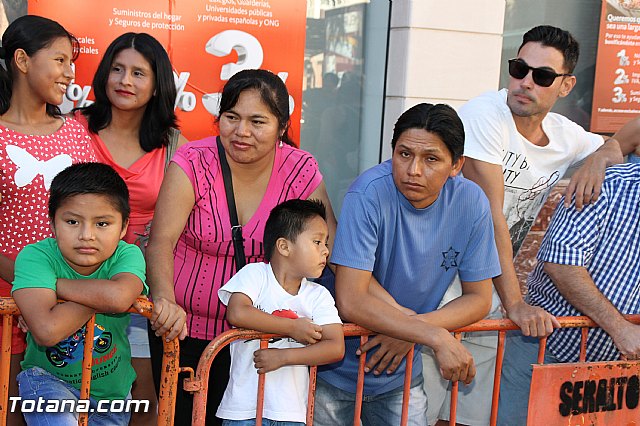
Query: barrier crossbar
[199, 380]
[169, 376]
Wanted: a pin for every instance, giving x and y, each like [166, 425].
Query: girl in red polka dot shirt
[36, 141]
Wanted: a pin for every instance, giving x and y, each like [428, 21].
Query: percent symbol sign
[185, 100]
[79, 94]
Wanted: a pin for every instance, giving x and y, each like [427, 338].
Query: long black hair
[272, 90]
[30, 33]
[159, 115]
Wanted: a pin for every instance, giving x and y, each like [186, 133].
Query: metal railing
[199, 380]
[169, 377]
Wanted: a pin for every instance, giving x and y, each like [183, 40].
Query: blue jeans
[520, 352]
[334, 406]
[265, 422]
[45, 389]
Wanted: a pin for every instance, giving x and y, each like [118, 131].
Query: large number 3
[250, 56]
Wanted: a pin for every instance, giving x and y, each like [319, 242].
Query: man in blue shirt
[587, 265]
[412, 224]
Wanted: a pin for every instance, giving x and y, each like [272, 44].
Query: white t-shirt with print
[286, 389]
[529, 171]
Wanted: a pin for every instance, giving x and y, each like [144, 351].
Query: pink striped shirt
[204, 255]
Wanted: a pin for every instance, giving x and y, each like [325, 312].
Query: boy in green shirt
[89, 267]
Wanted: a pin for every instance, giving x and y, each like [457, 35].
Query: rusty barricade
[504, 325]
[169, 377]
[199, 380]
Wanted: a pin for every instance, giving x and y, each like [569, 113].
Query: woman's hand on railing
[168, 319]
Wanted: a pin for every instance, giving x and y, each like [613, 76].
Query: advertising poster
[616, 97]
[207, 40]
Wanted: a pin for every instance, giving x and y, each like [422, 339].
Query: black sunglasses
[541, 76]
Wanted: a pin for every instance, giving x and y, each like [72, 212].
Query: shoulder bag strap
[236, 228]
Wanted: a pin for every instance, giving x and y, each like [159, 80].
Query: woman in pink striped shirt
[191, 253]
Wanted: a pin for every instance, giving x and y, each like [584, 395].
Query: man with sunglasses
[517, 150]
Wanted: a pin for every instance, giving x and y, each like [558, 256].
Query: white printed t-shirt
[286, 389]
[529, 171]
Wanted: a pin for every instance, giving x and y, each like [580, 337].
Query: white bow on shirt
[29, 166]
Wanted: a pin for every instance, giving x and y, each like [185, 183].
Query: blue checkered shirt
[604, 238]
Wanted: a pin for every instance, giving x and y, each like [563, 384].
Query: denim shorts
[138, 336]
[334, 406]
[520, 352]
[37, 384]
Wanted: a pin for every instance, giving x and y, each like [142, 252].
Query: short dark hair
[555, 37]
[30, 33]
[288, 220]
[159, 114]
[89, 178]
[440, 119]
[272, 90]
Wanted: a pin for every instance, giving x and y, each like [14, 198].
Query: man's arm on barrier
[472, 306]
[376, 290]
[49, 321]
[356, 304]
[532, 320]
[586, 182]
[576, 285]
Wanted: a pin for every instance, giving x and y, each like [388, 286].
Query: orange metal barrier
[502, 326]
[199, 380]
[169, 378]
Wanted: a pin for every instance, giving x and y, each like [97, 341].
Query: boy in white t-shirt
[276, 297]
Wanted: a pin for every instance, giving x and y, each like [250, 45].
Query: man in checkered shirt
[588, 264]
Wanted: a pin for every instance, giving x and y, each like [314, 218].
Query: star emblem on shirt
[450, 259]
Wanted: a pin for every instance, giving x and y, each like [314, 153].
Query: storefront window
[343, 89]
[582, 19]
